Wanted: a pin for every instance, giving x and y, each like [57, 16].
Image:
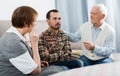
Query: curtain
[75, 12]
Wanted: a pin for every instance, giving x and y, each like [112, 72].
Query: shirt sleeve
[17, 53]
[24, 63]
[107, 48]
[73, 37]
[43, 49]
[67, 48]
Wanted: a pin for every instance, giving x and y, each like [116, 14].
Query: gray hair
[102, 8]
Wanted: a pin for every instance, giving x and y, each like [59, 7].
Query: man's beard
[57, 27]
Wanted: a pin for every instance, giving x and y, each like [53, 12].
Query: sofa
[5, 24]
[41, 26]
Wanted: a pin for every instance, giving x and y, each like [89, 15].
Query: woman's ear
[25, 24]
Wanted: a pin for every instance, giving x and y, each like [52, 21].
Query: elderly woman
[17, 58]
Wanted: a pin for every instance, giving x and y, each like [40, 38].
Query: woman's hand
[33, 38]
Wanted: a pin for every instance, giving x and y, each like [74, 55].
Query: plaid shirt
[58, 47]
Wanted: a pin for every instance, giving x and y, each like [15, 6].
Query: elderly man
[97, 37]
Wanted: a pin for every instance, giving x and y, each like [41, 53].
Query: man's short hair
[48, 14]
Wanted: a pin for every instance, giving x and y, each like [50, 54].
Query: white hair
[102, 8]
